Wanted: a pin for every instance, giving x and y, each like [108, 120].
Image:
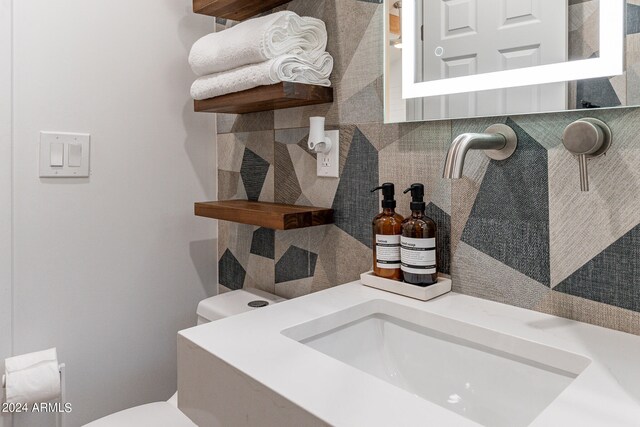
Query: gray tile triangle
[232, 274]
[263, 243]
[354, 205]
[253, 171]
[612, 277]
[443, 224]
[509, 220]
[296, 263]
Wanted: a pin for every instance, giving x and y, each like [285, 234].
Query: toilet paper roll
[33, 377]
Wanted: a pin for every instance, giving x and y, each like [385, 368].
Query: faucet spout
[498, 142]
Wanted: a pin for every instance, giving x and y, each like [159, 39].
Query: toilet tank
[234, 302]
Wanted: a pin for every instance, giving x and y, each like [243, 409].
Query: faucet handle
[586, 138]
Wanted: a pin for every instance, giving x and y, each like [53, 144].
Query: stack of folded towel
[262, 51]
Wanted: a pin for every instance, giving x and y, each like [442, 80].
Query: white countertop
[606, 393]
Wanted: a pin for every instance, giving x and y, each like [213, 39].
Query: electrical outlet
[329, 163]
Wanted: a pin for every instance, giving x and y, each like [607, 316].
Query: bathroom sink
[357, 356]
[488, 377]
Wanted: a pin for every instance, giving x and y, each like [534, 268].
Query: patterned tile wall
[584, 43]
[518, 232]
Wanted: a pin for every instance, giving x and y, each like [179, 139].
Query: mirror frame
[609, 63]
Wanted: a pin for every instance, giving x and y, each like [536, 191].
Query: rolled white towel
[286, 68]
[258, 40]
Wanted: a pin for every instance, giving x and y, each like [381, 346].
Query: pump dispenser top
[417, 197]
[388, 194]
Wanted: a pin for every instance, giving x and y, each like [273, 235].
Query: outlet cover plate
[329, 164]
[81, 143]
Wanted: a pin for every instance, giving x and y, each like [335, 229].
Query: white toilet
[167, 414]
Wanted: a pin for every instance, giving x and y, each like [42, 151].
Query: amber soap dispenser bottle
[418, 242]
[387, 227]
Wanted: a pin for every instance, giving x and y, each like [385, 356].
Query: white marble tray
[412, 291]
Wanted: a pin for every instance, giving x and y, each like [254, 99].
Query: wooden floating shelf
[263, 214]
[266, 98]
[237, 10]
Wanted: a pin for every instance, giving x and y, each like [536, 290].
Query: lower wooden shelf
[237, 10]
[264, 214]
[265, 98]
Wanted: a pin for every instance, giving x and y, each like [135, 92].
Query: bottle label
[418, 255]
[387, 251]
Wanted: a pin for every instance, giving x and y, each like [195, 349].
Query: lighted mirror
[448, 59]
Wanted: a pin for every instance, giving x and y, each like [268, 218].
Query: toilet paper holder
[60, 369]
[60, 415]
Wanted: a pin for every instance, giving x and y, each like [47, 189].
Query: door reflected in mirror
[449, 59]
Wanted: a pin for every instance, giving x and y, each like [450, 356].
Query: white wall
[5, 187]
[109, 268]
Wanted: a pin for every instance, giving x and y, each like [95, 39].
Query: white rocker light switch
[64, 155]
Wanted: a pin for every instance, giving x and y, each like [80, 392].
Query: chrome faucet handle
[587, 139]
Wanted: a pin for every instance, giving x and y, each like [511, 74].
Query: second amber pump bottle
[418, 242]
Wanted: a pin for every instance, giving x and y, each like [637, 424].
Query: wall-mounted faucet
[587, 139]
[499, 142]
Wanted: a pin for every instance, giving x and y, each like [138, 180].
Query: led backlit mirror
[469, 58]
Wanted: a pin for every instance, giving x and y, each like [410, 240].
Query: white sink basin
[357, 356]
[488, 377]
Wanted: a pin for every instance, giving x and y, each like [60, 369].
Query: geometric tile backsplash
[519, 231]
[509, 220]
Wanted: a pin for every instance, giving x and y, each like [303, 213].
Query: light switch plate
[329, 164]
[74, 144]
